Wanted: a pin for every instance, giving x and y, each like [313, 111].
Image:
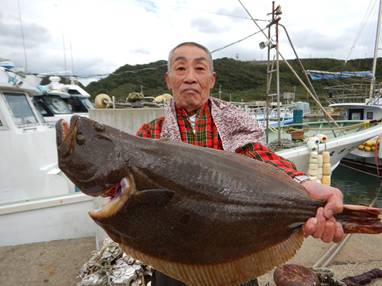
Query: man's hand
[324, 225]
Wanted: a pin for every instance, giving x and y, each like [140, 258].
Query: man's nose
[190, 76]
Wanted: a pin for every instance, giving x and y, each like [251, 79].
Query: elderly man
[196, 118]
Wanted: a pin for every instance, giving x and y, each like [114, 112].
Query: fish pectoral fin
[158, 197]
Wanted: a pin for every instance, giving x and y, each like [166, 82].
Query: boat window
[73, 91]
[56, 104]
[87, 103]
[20, 108]
[369, 115]
[40, 108]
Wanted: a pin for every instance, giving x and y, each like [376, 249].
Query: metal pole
[23, 37]
[372, 84]
[292, 70]
[269, 68]
[277, 75]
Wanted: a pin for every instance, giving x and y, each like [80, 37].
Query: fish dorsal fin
[229, 273]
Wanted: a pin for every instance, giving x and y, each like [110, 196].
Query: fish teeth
[124, 184]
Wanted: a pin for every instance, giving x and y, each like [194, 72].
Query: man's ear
[213, 80]
[168, 83]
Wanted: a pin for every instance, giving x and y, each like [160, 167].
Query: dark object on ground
[295, 275]
[364, 278]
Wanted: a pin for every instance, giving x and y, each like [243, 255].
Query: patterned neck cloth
[235, 127]
[203, 133]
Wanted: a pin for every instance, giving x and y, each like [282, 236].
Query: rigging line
[236, 42]
[368, 11]
[22, 36]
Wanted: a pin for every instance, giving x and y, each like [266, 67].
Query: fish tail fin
[360, 219]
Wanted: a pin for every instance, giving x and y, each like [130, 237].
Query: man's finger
[339, 233]
[320, 226]
[334, 204]
[329, 232]
[310, 226]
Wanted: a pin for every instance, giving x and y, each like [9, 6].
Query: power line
[236, 42]
[164, 65]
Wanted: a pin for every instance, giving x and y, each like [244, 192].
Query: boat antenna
[372, 84]
[22, 36]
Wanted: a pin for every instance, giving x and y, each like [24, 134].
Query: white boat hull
[63, 217]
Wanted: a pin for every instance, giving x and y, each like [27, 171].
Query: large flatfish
[201, 216]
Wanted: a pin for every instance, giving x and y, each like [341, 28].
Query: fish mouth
[65, 131]
[118, 195]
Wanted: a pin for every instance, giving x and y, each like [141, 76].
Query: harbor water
[357, 187]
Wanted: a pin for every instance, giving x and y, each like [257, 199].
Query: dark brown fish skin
[194, 199]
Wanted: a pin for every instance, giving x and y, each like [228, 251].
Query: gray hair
[171, 54]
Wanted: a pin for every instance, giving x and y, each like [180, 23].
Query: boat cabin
[358, 111]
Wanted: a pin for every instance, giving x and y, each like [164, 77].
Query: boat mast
[376, 44]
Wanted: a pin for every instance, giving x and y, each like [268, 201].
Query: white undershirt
[192, 120]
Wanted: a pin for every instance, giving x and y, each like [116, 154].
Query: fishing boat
[359, 101]
[60, 101]
[37, 201]
[367, 157]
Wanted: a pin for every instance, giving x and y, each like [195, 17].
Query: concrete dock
[58, 262]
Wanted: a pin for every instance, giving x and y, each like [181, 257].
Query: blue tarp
[320, 75]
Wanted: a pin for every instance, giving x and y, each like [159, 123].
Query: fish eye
[80, 139]
[99, 127]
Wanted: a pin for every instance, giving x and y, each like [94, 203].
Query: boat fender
[326, 168]
[320, 164]
[313, 164]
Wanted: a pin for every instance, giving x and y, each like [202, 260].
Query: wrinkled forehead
[189, 54]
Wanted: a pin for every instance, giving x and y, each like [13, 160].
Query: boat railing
[352, 93]
[344, 125]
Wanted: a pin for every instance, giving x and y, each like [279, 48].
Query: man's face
[190, 78]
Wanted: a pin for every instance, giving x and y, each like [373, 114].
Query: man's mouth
[192, 90]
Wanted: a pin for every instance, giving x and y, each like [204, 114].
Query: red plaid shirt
[205, 134]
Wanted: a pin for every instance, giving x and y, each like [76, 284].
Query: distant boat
[60, 101]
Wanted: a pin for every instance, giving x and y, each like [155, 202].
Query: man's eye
[200, 68]
[180, 69]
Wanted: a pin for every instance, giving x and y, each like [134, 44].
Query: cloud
[236, 14]
[34, 35]
[148, 5]
[140, 51]
[206, 26]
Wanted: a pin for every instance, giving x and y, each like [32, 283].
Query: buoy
[102, 100]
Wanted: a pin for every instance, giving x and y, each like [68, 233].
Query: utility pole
[372, 84]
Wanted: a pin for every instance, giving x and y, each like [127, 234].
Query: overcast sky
[98, 36]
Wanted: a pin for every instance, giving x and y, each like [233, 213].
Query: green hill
[238, 80]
